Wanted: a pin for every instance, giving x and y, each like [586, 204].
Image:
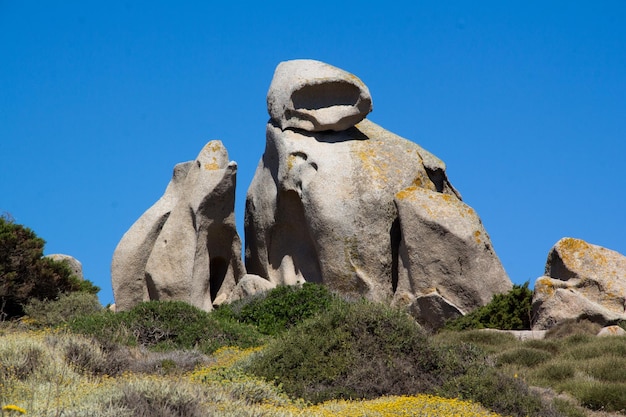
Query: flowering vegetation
[330, 357]
[218, 388]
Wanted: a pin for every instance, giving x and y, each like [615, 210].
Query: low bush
[25, 274]
[160, 400]
[510, 311]
[367, 350]
[606, 368]
[523, 356]
[553, 372]
[67, 307]
[503, 394]
[167, 325]
[279, 309]
[610, 397]
[572, 327]
[360, 350]
[488, 340]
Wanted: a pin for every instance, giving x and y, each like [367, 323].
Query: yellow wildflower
[13, 408]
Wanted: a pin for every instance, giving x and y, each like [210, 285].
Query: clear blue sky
[525, 101]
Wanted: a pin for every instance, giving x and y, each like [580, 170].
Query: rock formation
[74, 264]
[337, 199]
[581, 280]
[185, 247]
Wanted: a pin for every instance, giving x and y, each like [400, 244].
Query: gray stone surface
[314, 96]
[186, 246]
[581, 281]
[322, 207]
[249, 286]
[446, 251]
[611, 331]
[75, 266]
[128, 268]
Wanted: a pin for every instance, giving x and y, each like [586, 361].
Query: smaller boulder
[250, 285]
[314, 96]
[611, 331]
[75, 266]
[581, 281]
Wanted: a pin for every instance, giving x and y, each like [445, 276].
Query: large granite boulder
[581, 281]
[326, 204]
[447, 264]
[185, 247]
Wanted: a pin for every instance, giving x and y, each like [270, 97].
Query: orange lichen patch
[406, 193]
[545, 286]
[291, 160]
[215, 146]
[374, 163]
[574, 251]
[212, 166]
[477, 235]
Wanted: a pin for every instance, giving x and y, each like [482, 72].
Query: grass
[328, 357]
[53, 386]
[587, 368]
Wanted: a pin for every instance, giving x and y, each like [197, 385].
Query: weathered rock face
[351, 205]
[186, 246]
[447, 264]
[581, 281]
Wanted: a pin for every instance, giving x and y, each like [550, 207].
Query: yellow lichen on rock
[545, 286]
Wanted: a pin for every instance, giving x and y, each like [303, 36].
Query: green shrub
[167, 325]
[510, 311]
[607, 368]
[554, 372]
[281, 308]
[488, 340]
[368, 350]
[572, 327]
[599, 396]
[549, 346]
[523, 356]
[503, 394]
[567, 408]
[163, 399]
[360, 350]
[65, 308]
[25, 274]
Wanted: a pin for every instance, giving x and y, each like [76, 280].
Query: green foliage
[167, 325]
[571, 327]
[510, 311]
[524, 356]
[599, 396]
[280, 308]
[360, 350]
[26, 275]
[503, 394]
[368, 350]
[68, 307]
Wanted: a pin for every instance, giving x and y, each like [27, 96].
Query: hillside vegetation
[330, 357]
[294, 351]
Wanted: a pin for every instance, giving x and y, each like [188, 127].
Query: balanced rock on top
[314, 96]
